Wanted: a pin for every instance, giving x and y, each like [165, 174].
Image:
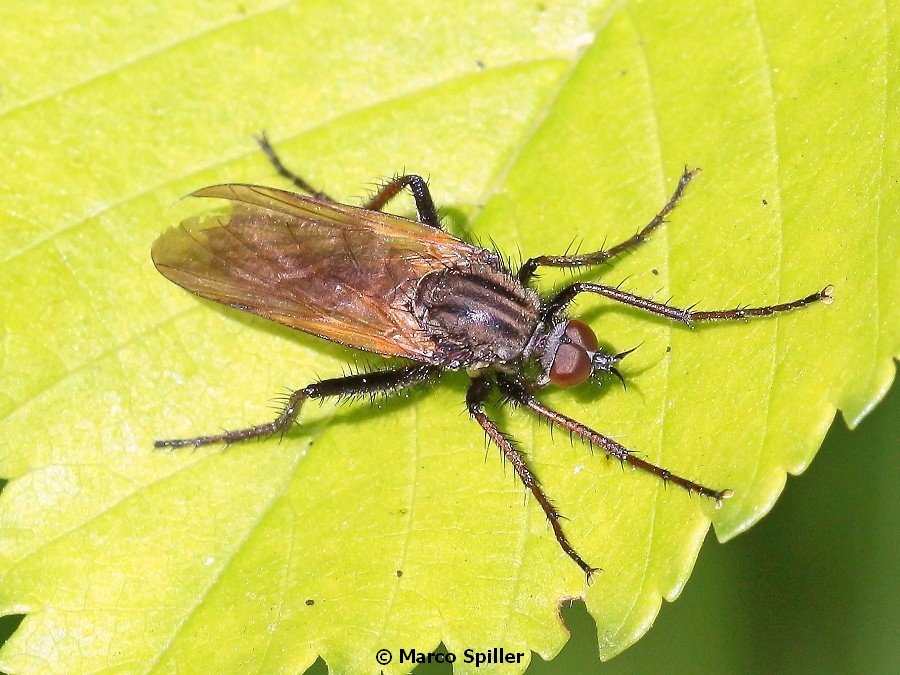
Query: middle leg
[479, 389]
[527, 270]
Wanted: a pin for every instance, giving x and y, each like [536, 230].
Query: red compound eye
[581, 334]
[572, 363]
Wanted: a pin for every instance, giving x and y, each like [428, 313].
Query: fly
[403, 288]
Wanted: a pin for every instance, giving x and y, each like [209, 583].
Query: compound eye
[571, 365]
[581, 334]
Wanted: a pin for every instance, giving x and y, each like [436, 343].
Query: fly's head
[569, 354]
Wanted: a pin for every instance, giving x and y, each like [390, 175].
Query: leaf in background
[389, 526]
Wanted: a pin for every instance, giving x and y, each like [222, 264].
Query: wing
[343, 273]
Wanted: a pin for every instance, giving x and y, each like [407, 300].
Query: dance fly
[407, 288]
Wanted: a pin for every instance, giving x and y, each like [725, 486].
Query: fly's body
[404, 288]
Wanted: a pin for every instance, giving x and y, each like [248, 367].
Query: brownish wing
[343, 273]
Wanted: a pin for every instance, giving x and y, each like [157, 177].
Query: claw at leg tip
[723, 495]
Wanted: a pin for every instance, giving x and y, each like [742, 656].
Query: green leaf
[391, 526]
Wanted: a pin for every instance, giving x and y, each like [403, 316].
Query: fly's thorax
[477, 313]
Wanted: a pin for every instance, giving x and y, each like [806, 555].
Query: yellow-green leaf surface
[539, 124]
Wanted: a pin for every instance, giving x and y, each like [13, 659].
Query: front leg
[518, 392]
[561, 300]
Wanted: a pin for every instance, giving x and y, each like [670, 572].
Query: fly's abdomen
[477, 315]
